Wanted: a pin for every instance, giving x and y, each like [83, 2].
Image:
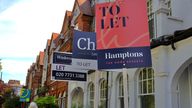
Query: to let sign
[63, 70]
[122, 34]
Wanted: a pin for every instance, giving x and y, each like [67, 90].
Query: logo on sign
[62, 58]
[86, 44]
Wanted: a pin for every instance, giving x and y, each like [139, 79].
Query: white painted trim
[190, 86]
[125, 88]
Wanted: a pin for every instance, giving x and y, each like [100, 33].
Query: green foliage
[8, 93]
[42, 90]
[10, 98]
[75, 106]
[46, 102]
[2, 100]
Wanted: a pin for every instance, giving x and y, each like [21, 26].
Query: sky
[25, 26]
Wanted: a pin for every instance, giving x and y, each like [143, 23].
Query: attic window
[92, 2]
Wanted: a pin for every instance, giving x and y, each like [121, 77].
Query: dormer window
[92, 2]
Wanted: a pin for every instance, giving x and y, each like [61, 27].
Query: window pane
[121, 102]
[141, 87]
[150, 85]
[149, 73]
[146, 82]
[144, 74]
[148, 101]
[140, 75]
[91, 104]
[91, 95]
[103, 89]
[121, 86]
[144, 86]
[102, 104]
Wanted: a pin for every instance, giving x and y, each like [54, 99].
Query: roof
[14, 82]
[84, 6]
[48, 42]
[67, 18]
[171, 39]
[41, 57]
[54, 36]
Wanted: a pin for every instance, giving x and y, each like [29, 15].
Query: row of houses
[167, 84]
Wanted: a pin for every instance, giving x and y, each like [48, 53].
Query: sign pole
[107, 96]
[22, 105]
[125, 88]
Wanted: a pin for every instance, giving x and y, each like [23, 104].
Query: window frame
[102, 93]
[143, 85]
[91, 94]
[120, 91]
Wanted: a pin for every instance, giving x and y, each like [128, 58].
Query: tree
[9, 97]
[15, 103]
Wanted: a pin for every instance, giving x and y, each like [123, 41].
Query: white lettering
[78, 43]
[123, 55]
[60, 67]
[85, 44]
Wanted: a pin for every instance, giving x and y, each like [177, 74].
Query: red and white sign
[123, 23]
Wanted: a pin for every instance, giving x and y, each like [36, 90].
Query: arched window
[103, 91]
[120, 92]
[146, 88]
[91, 95]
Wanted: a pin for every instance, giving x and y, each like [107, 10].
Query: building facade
[34, 76]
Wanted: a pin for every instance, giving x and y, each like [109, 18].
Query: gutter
[171, 39]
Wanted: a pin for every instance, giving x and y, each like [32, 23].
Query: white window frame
[169, 7]
[144, 80]
[91, 95]
[120, 90]
[151, 20]
[150, 9]
[102, 93]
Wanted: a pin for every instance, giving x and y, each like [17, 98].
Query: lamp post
[1, 74]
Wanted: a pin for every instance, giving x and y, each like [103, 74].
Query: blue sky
[25, 26]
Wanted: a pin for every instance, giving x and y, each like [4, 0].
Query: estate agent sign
[63, 70]
[84, 54]
[122, 34]
[25, 95]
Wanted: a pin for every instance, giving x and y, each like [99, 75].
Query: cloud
[15, 68]
[6, 4]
